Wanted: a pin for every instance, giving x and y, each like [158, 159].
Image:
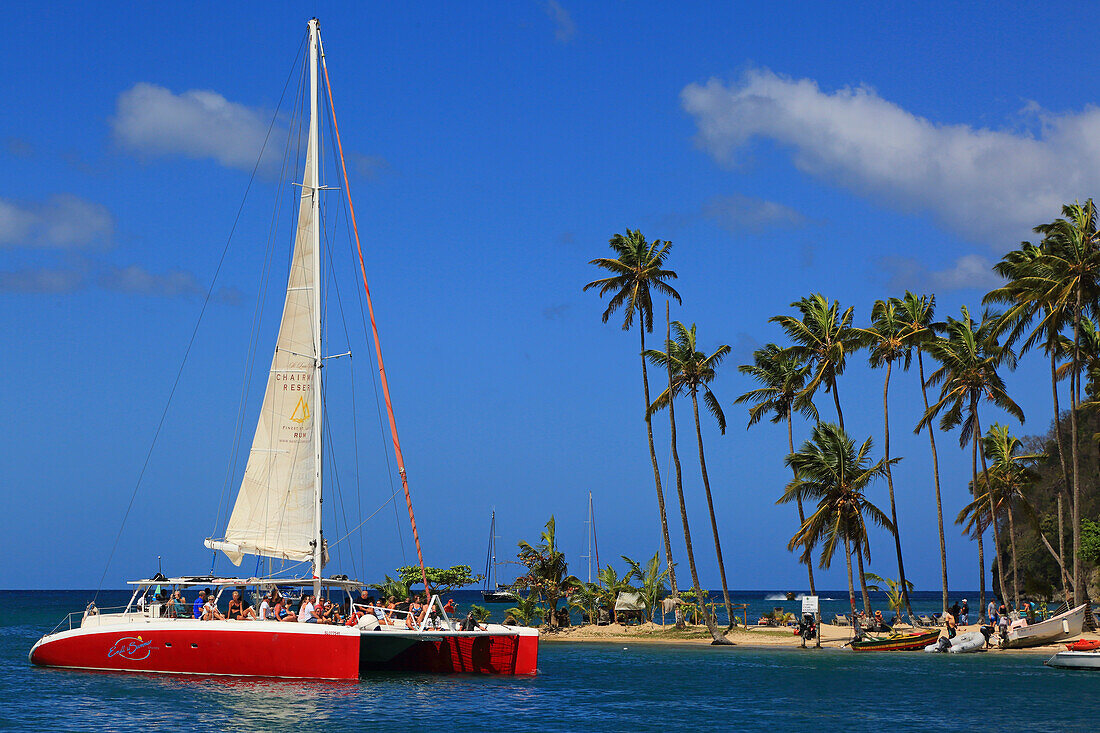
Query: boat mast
[314, 186]
[589, 533]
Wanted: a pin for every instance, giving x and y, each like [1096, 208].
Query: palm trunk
[863, 580]
[992, 516]
[1075, 507]
[710, 506]
[890, 484]
[699, 597]
[801, 513]
[1012, 549]
[936, 477]
[657, 480]
[836, 401]
[974, 490]
[1065, 471]
[851, 584]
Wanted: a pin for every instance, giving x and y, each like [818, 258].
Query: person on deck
[472, 624]
[307, 612]
[265, 609]
[179, 605]
[282, 613]
[200, 601]
[450, 608]
[416, 611]
[210, 611]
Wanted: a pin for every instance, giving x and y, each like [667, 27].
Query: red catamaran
[278, 515]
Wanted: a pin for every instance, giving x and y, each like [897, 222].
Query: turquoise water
[580, 687]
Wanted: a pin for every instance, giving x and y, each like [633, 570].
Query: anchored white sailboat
[277, 515]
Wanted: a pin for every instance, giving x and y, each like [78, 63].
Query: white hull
[1075, 660]
[1063, 626]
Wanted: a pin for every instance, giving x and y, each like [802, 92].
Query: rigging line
[377, 401]
[186, 354]
[351, 362]
[253, 337]
[377, 344]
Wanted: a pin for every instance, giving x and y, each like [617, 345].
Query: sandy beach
[832, 636]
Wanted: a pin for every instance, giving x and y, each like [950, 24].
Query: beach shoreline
[754, 637]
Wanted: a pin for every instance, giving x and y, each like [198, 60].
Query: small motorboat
[1059, 628]
[1075, 660]
[1083, 645]
[896, 642]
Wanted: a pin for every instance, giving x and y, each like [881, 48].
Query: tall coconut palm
[692, 372]
[688, 547]
[970, 357]
[887, 340]
[1004, 487]
[1026, 293]
[830, 470]
[637, 269]
[782, 377]
[824, 337]
[1071, 272]
[918, 313]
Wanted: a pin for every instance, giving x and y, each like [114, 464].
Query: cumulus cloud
[739, 213]
[137, 280]
[151, 120]
[370, 167]
[63, 220]
[564, 27]
[41, 280]
[969, 272]
[988, 185]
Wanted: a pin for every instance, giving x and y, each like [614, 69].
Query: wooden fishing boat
[896, 642]
[1061, 627]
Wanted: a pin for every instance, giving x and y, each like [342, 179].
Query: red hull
[258, 649]
[269, 652]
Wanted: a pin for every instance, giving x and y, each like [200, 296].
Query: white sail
[275, 514]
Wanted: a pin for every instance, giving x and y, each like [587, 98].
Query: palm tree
[918, 312]
[824, 338]
[547, 572]
[1004, 487]
[886, 339]
[693, 371]
[651, 581]
[1026, 293]
[969, 356]
[527, 609]
[1071, 273]
[638, 268]
[828, 468]
[782, 377]
[610, 586]
[894, 590]
[718, 639]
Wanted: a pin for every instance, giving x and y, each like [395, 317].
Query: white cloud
[564, 27]
[738, 212]
[41, 280]
[969, 272]
[136, 280]
[63, 220]
[986, 185]
[151, 120]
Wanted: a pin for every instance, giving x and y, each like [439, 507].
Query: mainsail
[276, 510]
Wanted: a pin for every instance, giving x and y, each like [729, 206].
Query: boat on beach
[895, 642]
[1059, 628]
[277, 516]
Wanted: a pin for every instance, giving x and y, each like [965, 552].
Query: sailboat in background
[277, 515]
[494, 591]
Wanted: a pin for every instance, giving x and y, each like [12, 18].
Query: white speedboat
[1075, 660]
[1059, 628]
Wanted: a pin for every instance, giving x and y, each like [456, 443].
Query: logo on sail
[130, 648]
[301, 411]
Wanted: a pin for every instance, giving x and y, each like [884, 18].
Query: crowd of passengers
[310, 609]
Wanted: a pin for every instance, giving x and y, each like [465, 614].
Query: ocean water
[580, 687]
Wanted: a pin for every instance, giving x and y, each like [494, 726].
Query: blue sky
[783, 149]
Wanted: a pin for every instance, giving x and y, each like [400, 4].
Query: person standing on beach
[991, 612]
[952, 624]
[964, 613]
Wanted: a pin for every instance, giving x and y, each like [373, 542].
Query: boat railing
[431, 620]
[76, 618]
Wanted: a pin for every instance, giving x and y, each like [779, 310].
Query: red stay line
[377, 343]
